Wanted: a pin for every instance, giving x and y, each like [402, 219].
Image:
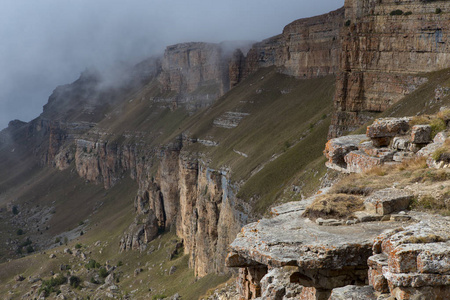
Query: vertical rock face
[195, 67]
[195, 201]
[383, 55]
[307, 48]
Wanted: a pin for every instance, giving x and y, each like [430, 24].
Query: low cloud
[50, 42]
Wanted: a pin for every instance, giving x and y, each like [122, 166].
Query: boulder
[336, 149]
[388, 200]
[388, 127]
[421, 134]
[358, 161]
[400, 143]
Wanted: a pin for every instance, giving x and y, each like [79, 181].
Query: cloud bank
[50, 42]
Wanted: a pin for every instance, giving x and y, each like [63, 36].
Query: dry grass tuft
[444, 115]
[413, 164]
[339, 206]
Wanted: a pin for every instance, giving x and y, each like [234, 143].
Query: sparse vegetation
[438, 10]
[340, 206]
[397, 12]
[50, 286]
[74, 281]
[102, 272]
[15, 210]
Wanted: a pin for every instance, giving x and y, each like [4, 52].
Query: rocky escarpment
[198, 203]
[197, 72]
[307, 48]
[385, 46]
[185, 196]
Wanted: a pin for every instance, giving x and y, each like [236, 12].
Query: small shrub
[347, 23]
[50, 286]
[92, 264]
[93, 280]
[158, 297]
[438, 10]
[57, 240]
[120, 263]
[15, 210]
[397, 12]
[74, 281]
[19, 232]
[408, 13]
[78, 246]
[30, 249]
[437, 125]
[102, 272]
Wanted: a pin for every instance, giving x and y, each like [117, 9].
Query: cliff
[385, 46]
[197, 72]
[307, 48]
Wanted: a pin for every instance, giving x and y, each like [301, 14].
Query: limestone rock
[358, 161]
[388, 200]
[336, 149]
[421, 134]
[353, 292]
[388, 127]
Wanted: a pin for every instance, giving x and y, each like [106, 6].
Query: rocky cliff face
[385, 46]
[307, 48]
[197, 72]
[185, 196]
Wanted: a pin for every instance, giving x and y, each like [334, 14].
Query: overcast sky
[45, 43]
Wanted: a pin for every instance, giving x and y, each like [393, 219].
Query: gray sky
[45, 43]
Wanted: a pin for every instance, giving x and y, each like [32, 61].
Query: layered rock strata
[385, 46]
[197, 72]
[307, 48]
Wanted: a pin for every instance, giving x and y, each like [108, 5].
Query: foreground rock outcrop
[289, 256]
[387, 141]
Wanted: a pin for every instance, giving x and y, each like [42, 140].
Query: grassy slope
[285, 115]
[283, 135]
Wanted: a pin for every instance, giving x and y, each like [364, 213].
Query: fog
[47, 43]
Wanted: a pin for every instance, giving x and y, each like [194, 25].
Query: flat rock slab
[353, 292]
[290, 239]
[388, 200]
